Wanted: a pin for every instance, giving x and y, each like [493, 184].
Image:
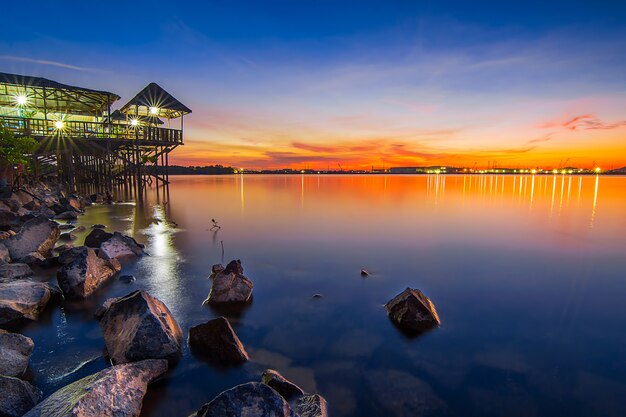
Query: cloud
[49, 63]
[584, 122]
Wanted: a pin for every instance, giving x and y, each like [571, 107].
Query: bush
[15, 150]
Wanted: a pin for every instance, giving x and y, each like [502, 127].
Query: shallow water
[527, 274]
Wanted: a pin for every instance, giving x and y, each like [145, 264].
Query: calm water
[528, 275]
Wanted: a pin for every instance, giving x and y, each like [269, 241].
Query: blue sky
[288, 82]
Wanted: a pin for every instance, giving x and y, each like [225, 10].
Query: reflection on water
[526, 273]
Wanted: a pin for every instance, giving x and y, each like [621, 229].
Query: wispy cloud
[49, 63]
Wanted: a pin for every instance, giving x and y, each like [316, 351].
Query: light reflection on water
[526, 273]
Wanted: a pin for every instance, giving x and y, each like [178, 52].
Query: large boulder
[16, 396]
[113, 392]
[85, 273]
[138, 327]
[97, 237]
[9, 219]
[120, 246]
[36, 235]
[11, 272]
[281, 385]
[216, 341]
[412, 311]
[250, 399]
[311, 406]
[15, 351]
[23, 299]
[230, 285]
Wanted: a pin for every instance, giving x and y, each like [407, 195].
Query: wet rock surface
[114, 392]
[216, 341]
[120, 246]
[138, 327]
[23, 299]
[10, 272]
[311, 406]
[16, 396]
[230, 285]
[280, 384]
[15, 351]
[412, 311]
[250, 399]
[85, 273]
[97, 237]
[36, 235]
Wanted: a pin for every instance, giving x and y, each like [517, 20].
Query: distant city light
[154, 110]
[59, 125]
[598, 170]
[555, 171]
[21, 100]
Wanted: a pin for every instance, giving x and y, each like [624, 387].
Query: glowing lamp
[21, 100]
[134, 122]
[154, 110]
[59, 125]
[597, 170]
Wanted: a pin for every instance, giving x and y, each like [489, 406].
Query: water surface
[527, 274]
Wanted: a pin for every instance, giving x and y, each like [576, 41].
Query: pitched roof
[28, 81]
[154, 96]
[118, 116]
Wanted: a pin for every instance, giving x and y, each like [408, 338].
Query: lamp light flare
[21, 100]
[59, 125]
[134, 122]
[154, 110]
[597, 170]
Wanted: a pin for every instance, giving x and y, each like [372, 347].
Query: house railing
[40, 128]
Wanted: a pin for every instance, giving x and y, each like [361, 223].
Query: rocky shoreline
[141, 336]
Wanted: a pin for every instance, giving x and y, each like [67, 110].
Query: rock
[16, 396]
[4, 253]
[312, 406]
[250, 399]
[66, 226]
[67, 256]
[85, 273]
[113, 392]
[74, 203]
[230, 285]
[411, 310]
[9, 220]
[15, 351]
[23, 299]
[104, 307]
[36, 235]
[120, 246]
[216, 341]
[216, 269]
[317, 296]
[281, 385]
[97, 237]
[6, 234]
[67, 237]
[98, 226]
[138, 327]
[365, 273]
[11, 272]
[34, 258]
[63, 247]
[79, 229]
[67, 215]
[127, 279]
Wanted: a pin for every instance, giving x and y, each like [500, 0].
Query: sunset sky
[358, 83]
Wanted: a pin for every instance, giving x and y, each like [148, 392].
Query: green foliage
[15, 150]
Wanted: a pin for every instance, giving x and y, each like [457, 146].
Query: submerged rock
[120, 246]
[23, 299]
[138, 327]
[16, 396]
[114, 392]
[411, 310]
[67, 215]
[250, 399]
[230, 285]
[67, 237]
[10, 272]
[216, 341]
[281, 385]
[127, 279]
[85, 273]
[15, 351]
[311, 406]
[36, 235]
[97, 237]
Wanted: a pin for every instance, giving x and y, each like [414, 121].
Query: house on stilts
[83, 141]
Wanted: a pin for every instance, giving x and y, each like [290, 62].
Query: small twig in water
[215, 225]
[222, 243]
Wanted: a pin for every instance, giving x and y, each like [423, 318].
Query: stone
[75, 203]
[99, 313]
[68, 255]
[4, 253]
[9, 220]
[15, 351]
[217, 342]
[79, 229]
[6, 234]
[63, 247]
[23, 299]
[216, 269]
[230, 285]
[250, 399]
[98, 226]
[97, 237]
[34, 258]
[120, 246]
[67, 237]
[67, 215]
[113, 392]
[280, 384]
[37, 235]
[139, 326]
[16, 396]
[11, 272]
[312, 406]
[66, 226]
[85, 273]
[412, 311]
[127, 279]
